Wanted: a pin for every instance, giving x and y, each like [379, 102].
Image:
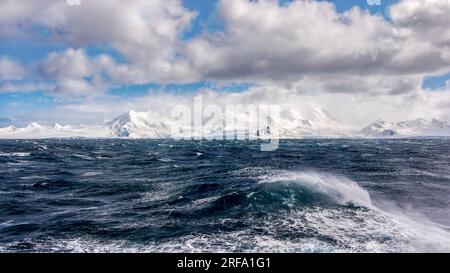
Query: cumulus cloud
[10, 70]
[264, 40]
[428, 19]
[144, 32]
[24, 87]
[75, 73]
[302, 48]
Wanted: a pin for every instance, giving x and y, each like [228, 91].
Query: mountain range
[290, 124]
[411, 128]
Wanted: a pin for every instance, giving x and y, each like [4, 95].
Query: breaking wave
[222, 197]
[342, 190]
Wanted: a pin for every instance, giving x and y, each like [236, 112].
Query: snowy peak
[419, 123]
[140, 125]
[9, 129]
[119, 125]
[440, 124]
[290, 123]
[379, 128]
[416, 127]
[34, 126]
[36, 131]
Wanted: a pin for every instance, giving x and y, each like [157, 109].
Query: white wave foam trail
[368, 227]
[195, 243]
[15, 154]
[373, 229]
[342, 190]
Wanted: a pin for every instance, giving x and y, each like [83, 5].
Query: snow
[412, 128]
[291, 123]
[37, 131]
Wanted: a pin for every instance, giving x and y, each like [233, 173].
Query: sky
[88, 63]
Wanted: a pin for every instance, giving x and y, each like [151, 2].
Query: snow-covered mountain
[291, 122]
[307, 122]
[35, 131]
[140, 125]
[416, 127]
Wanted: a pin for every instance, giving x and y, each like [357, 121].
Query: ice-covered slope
[290, 123]
[306, 120]
[417, 127]
[36, 131]
[140, 125]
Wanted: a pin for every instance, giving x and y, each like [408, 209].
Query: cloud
[265, 40]
[354, 111]
[74, 72]
[428, 19]
[10, 70]
[25, 87]
[144, 32]
[357, 85]
[306, 46]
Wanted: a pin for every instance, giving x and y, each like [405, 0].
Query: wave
[253, 217]
[15, 154]
[89, 174]
[369, 228]
[83, 157]
[340, 189]
[313, 230]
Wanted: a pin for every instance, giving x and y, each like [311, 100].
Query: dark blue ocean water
[184, 196]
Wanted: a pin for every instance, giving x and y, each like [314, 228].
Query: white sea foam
[366, 228]
[89, 174]
[340, 189]
[15, 154]
[332, 230]
[373, 229]
[34, 177]
[84, 157]
[165, 159]
[204, 201]
[196, 243]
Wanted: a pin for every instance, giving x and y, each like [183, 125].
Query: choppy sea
[224, 196]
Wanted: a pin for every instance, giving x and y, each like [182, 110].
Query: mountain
[35, 130]
[140, 125]
[308, 121]
[292, 122]
[416, 127]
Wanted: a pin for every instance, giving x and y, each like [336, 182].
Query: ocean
[328, 195]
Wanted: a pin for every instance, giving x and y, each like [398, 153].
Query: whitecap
[164, 159]
[342, 190]
[89, 174]
[204, 201]
[370, 228]
[15, 154]
[84, 157]
[32, 177]
[43, 147]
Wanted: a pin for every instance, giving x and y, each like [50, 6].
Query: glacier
[413, 128]
[291, 123]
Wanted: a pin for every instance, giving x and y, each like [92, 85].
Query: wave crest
[340, 189]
